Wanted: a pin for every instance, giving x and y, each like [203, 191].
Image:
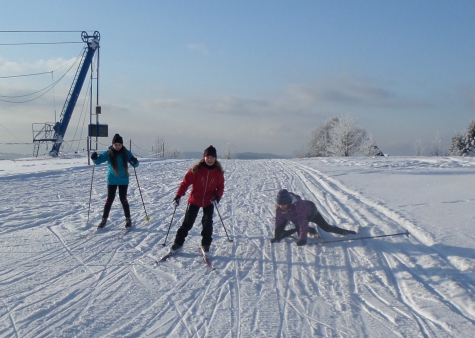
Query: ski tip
[407, 233]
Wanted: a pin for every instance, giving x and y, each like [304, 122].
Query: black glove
[278, 233]
[133, 161]
[216, 199]
[94, 156]
[302, 242]
[176, 200]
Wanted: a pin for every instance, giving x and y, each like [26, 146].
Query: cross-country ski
[87, 233]
[164, 258]
[123, 232]
[206, 259]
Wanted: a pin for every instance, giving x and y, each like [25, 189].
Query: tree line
[341, 136]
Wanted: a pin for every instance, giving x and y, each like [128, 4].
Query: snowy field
[55, 284]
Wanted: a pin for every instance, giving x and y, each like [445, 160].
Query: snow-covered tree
[371, 149]
[458, 145]
[158, 148]
[470, 140]
[174, 152]
[340, 136]
[419, 147]
[463, 144]
[320, 138]
[436, 146]
[228, 152]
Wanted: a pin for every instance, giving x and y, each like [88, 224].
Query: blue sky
[259, 75]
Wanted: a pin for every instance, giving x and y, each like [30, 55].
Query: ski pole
[90, 194]
[216, 205]
[165, 243]
[146, 216]
[367, 237]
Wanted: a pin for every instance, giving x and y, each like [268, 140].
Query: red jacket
[206, 183]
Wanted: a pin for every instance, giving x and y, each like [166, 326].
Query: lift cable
[39, 43]
[43, 31]
[34, 74]
[8, 131]
[8, 77]
[46, 89]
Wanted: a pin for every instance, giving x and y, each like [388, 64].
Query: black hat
[210, 151]
[283, 197]
[117, 139]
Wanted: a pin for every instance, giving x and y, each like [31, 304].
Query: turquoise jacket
[112, 179]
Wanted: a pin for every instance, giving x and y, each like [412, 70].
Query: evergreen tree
[458, 145]
[470, 140]
[463, 145]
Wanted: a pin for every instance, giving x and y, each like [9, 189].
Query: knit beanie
[117, 139]
[210, 151]
[283, 197]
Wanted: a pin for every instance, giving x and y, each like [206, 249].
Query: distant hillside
[257, 156]
[240, 156]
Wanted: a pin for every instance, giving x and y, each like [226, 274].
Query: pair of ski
[321, 241]
[206, 259]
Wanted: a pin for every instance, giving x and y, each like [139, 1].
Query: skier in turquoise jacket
[117, 157]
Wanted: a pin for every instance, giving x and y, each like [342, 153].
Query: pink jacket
[298, 213]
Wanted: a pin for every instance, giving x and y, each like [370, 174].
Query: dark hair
[113, 159]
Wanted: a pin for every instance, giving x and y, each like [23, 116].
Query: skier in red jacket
[207, 180]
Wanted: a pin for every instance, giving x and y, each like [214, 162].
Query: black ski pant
[111, 189]
[318, 219]
[190, 217]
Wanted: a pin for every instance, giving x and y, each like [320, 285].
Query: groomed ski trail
[55, 284]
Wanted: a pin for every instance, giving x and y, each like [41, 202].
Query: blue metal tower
[59, 128]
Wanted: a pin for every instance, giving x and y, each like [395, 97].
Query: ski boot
[102, 224]
[174, 248]
[128, 223]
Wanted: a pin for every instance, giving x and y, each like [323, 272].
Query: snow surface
[55, 284]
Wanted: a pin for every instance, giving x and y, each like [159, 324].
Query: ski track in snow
[55, 284]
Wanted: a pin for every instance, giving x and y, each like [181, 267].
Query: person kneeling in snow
[291, 207]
